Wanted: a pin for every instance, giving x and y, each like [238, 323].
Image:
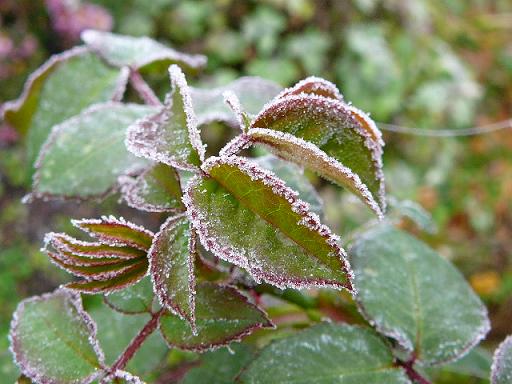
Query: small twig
[143, 89]
[137, 341]
[408, 366]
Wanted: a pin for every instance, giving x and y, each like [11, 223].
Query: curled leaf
[171, 136]
[137, 52]
[249, 217]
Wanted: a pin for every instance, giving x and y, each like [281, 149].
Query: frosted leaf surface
[223, 315]
[171, 265]
[329, 125]
[116, 331]
[137, 52]
[247, 216]
[294, 178]
[314, 86]
[501, 371]
[326, 354]
[221, 366]
[54, 340]
[253, 93]
[170, 136]
[135, 299]
[84, 155]
[157, 189]
[398, 279]
[61, 88]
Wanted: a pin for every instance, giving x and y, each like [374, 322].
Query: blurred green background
[418, 63]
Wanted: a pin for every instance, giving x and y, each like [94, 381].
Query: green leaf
[61, 88]
[414, 212]
[501, 371]
[326, 353]
[335, 140]
[477, 363]
[294, 178]
[137, 52]
[135, 299]
[247, 216]
[223, 315]
[170, 136]
[253, 93]
[54, 340]
[116, 331]
[416, 297]
[157, 189]
[171, 265]
[220, 367]
[84, 155]
[313, 86]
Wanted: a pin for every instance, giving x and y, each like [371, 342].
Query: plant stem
[137, 341]
[412, 373]
[143, 89]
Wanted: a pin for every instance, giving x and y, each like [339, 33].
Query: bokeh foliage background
[418, 63]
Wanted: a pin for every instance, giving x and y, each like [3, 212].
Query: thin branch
[408, 366]
[137, 341]
[143, 89]
[505, 124]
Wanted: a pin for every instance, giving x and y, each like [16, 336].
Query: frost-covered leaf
[415, 296]
[84, 155]
[477, 363]
[116, 331]
[294, 178]
[253, 93]
[59, 89]
[137, 298]
[221, 366]
[314, 86]
[171, 265]
[157, 189]
[54, 340]
[247, 216]
[325, 135]
[170, 136]
[326, 354]
[223, 315]
[116, 232]
[501, 371]
[137, 52]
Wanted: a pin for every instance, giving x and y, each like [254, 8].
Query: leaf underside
[247, 216]
[223, 315]
[398, 279]
[325, 354]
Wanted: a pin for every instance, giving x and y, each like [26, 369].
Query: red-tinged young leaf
[223, 315]
[53, 340]
[315, 86]
[116, 232]
[253, 93]
[249, 217]
[90, 251]
[171, 265]
[137, 52]
[334, 128]
[129, 277]
[157, 189]
[95, 272]
[171, 136]
[367, 123]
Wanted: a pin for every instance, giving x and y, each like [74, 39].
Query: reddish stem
[137, 341]
[143, 89]
[412, 373]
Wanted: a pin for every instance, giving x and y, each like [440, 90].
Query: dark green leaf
[54, 340]
[171, 265]
[223, 315]
[84, 155]
[247, 216]
[137, 298]
[326, 354]
[137, 52]
[415, 296]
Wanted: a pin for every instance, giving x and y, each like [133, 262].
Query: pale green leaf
[137, 298]
[84, 155]
[501, 372]
[415, 296]
[326, 354]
